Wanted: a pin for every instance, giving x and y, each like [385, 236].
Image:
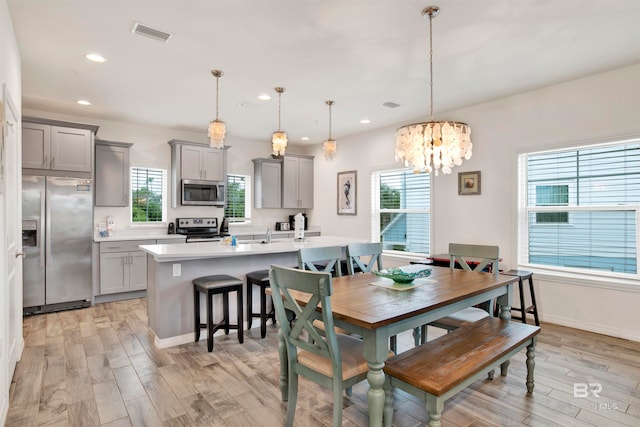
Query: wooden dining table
[377, 313]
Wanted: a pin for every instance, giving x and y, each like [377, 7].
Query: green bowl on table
[400, 276]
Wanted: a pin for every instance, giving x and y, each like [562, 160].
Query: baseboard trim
[593, 327]
[172, 341]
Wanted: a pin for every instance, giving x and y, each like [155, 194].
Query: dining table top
[356, 301]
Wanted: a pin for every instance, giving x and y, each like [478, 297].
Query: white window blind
[581, 208]
[148, 195]
[238, 204]
[401, 201]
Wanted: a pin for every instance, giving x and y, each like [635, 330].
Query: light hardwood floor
[98, 366]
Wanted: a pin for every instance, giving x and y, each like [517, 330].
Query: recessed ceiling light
[95, 57]
[264, 97]
[83, 102]
[365, 121]
[305, 138]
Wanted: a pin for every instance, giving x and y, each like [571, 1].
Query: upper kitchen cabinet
[57, 146]
[267, 175]
[112, 173]
[196, 161]
[297, 181]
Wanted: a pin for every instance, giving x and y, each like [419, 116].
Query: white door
[11, 342]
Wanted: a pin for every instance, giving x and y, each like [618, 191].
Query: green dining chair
[363, 257]
[485, 258]
[321, 259]
[328, 358]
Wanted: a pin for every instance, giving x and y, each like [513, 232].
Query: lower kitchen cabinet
[123, 267]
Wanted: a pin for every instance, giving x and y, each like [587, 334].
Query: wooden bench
[438, 369]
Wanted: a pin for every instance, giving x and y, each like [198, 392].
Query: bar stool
[259, 278]
[533, 308]
[211, 285]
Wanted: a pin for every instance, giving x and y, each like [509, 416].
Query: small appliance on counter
[298, 229]
[292, 219]
[224, 227]
[171, 229]
[283, 226]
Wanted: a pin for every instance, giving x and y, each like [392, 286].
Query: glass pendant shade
[278, 143]
[217, 131]
[279, 138]
[330, 147]
[433, 146]
[217, 128]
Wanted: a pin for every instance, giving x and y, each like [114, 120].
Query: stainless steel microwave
[203, 193]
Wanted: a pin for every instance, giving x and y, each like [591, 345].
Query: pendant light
[217, 129]
[433, 145]
[279, 138]
[329, 147]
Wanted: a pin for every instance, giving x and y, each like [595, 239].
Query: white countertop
[137, 236]
[187, 251]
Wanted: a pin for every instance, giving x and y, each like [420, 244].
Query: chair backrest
[310, 258]
[357, 254]
[483, 254]
[304, 333]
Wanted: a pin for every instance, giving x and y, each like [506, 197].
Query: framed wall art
[469, 183]
[347, 193]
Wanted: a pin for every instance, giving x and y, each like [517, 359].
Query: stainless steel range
[199, 229]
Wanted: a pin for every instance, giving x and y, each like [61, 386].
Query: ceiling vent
[391, 104]
[154, 33]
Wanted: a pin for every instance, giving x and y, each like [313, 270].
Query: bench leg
[504, 368]
[531, 354]
[435, 406]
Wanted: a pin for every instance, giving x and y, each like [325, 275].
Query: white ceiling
[359, 53]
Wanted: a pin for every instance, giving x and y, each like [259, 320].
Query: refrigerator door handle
[39, 234]
[47, 237]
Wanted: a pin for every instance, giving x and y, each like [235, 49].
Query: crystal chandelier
[433, 145]
[217, 129]
[279, 138]
[329, 146]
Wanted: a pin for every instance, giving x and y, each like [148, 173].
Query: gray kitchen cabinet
[297, 181]
[196, 161]
[112, 173]
[123, 267]
[202, 163]
[58, 148]
[267, 185]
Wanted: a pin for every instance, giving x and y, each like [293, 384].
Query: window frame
[582, 275]
[376, 211]
[248, 197]
[164, 174]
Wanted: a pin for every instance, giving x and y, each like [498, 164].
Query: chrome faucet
[268, 234]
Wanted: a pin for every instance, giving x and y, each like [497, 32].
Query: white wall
[600, 107]
[11, 342]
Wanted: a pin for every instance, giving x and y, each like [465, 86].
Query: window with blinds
[238, 204]
[581, 207]
[148, 195]
[401, 216]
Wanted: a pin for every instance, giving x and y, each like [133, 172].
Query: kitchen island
[172, 267]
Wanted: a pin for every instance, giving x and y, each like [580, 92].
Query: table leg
[376, 394]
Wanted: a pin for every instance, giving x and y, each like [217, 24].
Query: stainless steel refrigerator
[57, 233]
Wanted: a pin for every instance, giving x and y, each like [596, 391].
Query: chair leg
[533, 301]
[196, 314]
[422, 337]
[393, 344]
[523, 308]
[209, 323]
[263, 312]
[337, 402]
[293, 397]
[225, 310]
[240, 316]
[249, 304]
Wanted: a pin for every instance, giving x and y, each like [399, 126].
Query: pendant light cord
[431, 64]
[217, 95]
